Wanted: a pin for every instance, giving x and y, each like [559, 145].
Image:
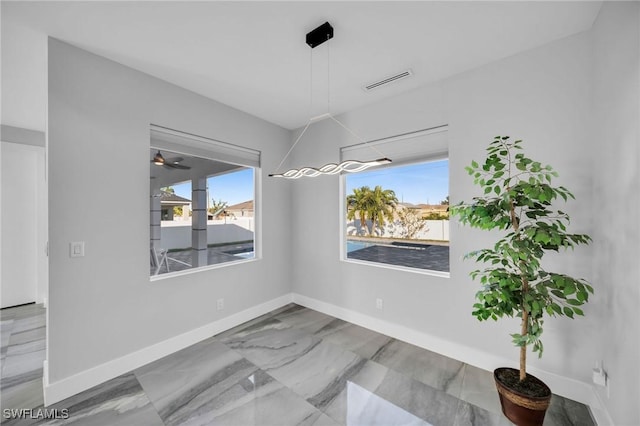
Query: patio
[180, 260]
[434, 257]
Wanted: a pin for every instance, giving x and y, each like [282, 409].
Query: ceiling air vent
[388, 80]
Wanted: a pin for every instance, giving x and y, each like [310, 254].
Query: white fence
[177, 234]
[437, 230]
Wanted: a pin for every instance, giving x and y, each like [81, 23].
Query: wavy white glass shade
[348, 166]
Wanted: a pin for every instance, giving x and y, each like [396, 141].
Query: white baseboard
[563, 386]
[599, 411]
[569, 388]
[69, 386]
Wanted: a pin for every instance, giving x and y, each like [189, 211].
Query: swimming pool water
[357, 245]
[246, 254]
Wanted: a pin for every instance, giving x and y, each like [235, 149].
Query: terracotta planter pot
[522, 409]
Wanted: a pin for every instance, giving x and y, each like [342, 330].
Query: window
[202, 204]
[398, 215]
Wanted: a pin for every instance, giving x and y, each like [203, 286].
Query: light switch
[76, 249]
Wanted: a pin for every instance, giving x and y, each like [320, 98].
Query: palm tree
[377, 205]
[382, 204]
[358, 205]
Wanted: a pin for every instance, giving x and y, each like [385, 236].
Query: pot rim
[516, 392]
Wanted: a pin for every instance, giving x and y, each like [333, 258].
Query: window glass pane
[399, 215]
[202, 212]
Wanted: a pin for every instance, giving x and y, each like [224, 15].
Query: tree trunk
[524, 331]
[363, 222]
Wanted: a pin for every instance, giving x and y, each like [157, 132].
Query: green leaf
[474, 164]
[569, 289]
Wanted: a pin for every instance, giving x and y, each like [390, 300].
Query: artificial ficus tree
[517, 199]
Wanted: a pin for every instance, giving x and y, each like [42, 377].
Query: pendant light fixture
[315, 38]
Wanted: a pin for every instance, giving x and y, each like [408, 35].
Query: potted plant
[517, 200]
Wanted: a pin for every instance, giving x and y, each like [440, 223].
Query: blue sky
[424, 183]
[233, 188]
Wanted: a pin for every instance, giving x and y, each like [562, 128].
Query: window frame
[418, 158]
[201, 145]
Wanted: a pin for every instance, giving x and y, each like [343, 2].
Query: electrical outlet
[220, 304]
[379, 303]
[599, 376]
[76, 249]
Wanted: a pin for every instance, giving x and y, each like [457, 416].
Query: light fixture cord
[328, 107]
[329, 103]
[294, 145]
[328, 76]
[309, 114]
[356, 136]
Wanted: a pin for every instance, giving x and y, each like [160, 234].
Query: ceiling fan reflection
[172, 163]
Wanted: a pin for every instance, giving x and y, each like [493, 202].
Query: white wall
[22, 168]
[24, 195]
[433, 229]
[542, 96]
[616, 137]
[178, 234]
[103, 306]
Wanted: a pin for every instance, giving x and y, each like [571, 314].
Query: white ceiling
[252, 55]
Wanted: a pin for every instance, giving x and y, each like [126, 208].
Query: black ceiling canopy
[321, 34]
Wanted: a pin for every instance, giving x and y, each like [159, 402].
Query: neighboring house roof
[171, 199]
[246, 205]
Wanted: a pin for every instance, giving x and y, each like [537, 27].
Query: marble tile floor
[22, 352]
[296, 366]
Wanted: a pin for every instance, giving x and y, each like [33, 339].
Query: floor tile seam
[463, 402]
[135, 376]
[20, 379]
[464, 374]
[457, 415]
[16, 359]
[495, 410]
[369, 359]
[415, 379]
[407, 376]
[31, 316]
[15, 332]
[228, 336]
[215, 339]
[402, 374]
[25, 354]
[264, 371]
[22, 346]
[302, 397]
